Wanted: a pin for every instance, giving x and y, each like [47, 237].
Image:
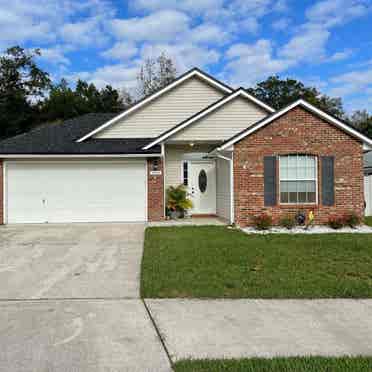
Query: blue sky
[325, 43]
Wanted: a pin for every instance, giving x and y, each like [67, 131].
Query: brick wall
[298, 131]
[1, 193]
[155, 191]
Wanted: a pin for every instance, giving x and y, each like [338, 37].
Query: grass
[368, 220]
[221, 263]
[310, 364]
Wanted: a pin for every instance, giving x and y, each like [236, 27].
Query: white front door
[202, 187]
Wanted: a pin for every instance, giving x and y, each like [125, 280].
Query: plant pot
[174, 215]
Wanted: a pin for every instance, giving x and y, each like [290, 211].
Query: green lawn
[218, 262]
[314, 364]
[368, 220]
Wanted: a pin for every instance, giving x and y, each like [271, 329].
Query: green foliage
[362, 121]
[177, 199]
[155, 74]
[22, 85]
[292, 364]
[352, 220]
[65, 103]
[287, 222]
[262, 221]
[336, 222]
[279, 93]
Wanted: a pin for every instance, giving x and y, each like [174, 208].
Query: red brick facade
[1, 193]
[155, 191]
[301, 132]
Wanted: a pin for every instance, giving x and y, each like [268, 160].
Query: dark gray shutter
[269, 180]
[328, 180]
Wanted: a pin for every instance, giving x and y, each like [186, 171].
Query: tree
[279, 93]
[155, 74]
[22, 85]
[362, 121]
[65, 103]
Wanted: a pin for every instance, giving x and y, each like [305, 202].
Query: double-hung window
[298, 179]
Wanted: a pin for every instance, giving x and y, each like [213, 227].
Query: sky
[324, 43]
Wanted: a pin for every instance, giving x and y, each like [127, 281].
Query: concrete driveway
[70, 261]
[69, 300]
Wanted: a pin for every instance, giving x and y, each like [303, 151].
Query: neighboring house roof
[195, 72]
[307, 106]
[60, 139]
[241, 92]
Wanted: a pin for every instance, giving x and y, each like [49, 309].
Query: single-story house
[237, 156]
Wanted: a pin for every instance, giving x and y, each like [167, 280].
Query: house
[237, 156]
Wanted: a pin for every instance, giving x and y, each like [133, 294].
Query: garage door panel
[76, 192]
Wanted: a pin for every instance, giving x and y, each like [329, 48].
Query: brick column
[155, 190]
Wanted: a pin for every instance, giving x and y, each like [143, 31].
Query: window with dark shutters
[269, 180]
[328, 180]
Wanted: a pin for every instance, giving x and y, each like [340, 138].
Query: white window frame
[304, 179]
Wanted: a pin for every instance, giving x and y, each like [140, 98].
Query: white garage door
[40, 192]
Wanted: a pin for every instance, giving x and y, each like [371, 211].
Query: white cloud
[334, 12]
[121, 51]
[54, 55]
[208, 33]
[307, 45]
[193, 6]
[352, 82]
[163, 25]
[185, 56]
[85, 33]
[281, 6]
[340, 56]
[248, 63]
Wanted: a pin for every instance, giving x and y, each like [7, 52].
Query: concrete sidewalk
[263, 328]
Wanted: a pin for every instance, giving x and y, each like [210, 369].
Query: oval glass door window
[202, 180]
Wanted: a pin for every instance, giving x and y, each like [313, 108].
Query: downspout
[163, 160]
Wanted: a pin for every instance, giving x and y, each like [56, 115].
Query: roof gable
[239, 93]
[367, 142]
[194, 73]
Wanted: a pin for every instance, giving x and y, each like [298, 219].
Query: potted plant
[177, 201]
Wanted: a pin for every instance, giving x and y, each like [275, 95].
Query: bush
[262, 221]
[288, 222]
[335, 222]
[352, 220]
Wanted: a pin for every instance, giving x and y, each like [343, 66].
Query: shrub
[262, 221]
[352, 220]
[177, 199]
[335, 222]
[288, 222]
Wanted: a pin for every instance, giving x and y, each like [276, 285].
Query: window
[298, 179]
[185, 173]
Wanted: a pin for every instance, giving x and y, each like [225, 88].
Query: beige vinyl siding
[223, 189]
[174, 157]
[165, 111]
[223, 123]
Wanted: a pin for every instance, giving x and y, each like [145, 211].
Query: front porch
[208, 179]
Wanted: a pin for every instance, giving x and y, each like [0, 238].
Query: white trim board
[188, 75]
[366, 141]
[238, 93]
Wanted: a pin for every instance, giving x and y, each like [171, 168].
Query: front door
[202, 187]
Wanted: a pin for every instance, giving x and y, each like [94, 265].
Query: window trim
[316, 180]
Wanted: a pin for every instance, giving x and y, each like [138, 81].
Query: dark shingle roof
[60, 138]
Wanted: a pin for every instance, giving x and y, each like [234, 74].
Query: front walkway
[193, 221]
[263, 328]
